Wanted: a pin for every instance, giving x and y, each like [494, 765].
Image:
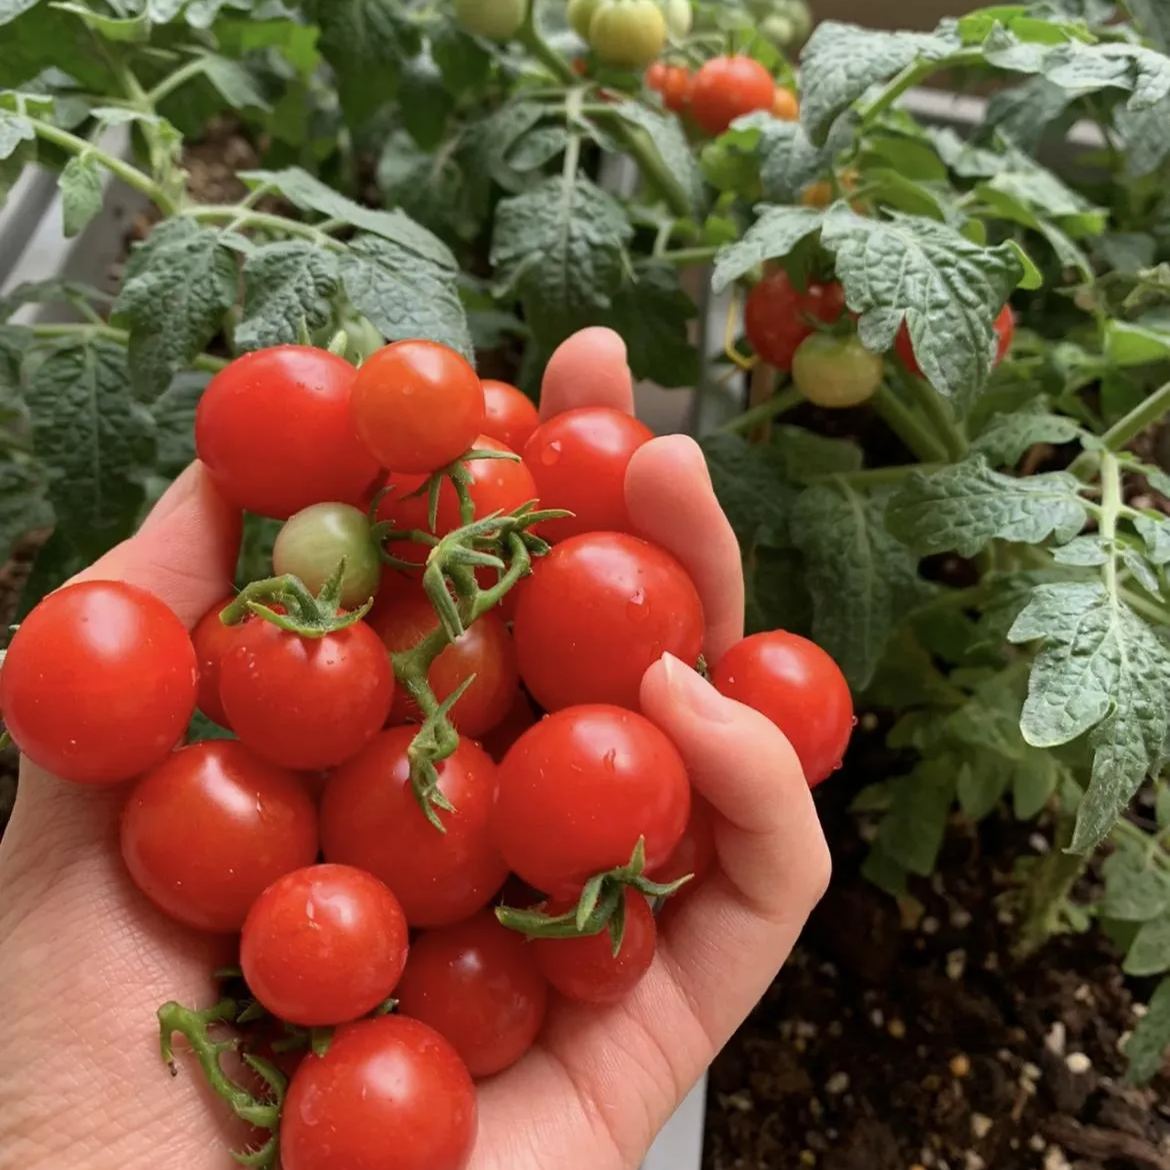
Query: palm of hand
[85, 960]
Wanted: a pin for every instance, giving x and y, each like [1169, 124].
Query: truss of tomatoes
[348, 886]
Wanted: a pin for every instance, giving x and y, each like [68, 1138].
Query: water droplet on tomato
[854, 722]
[610, 760]
[637, 607]
[837, 766]
[550, 453]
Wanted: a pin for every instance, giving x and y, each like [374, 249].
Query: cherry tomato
[580, 14]
[253, 822]
[727, 88]
[212, 639]
[485, 650]
[677, 87]
[579, 789]
[694, 854]
[99, 682]
[578, 460]
[417, 406]
[497, 485]
[306, 703]
[274, 430]
[498, 20]
[1005, 329]
[521, 716]
[587, 970]
[389, 1094]
[784, 105]
[835, 372]
[778, 316]
[312, 543]
[596, 612]
[323, 945]
[478, 985]
[510, 415]
[679, 17]
[800, 688]
[370, 818]
[628, 34]
[656, 75]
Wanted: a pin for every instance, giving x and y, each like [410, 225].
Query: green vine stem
[301, 613]
[242, 217]
[196, 1028]
[203, 361]
[908, 426]
[778, 404]
[1046, 894]
[1142, 415]
[938, 410]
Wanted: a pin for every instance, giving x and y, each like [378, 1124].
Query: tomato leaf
[11, 9]
[424, 101]
[81, 192]
[861, 579]
[234, 82]
[1149, 953]
[981, 784]
[1136, 887]
[967, 505]
[1153, 18]
[776, 594]
[1102, 670]
[93, 439]
[1007, 436]
[23, 502]
[652, 313]
[1025, 112]
[776, 233]
[664, 133]
[911, 833]
[1155, 532]
[173, 412]
[1151, 1035]
[404, 294]
[366, 41]
[560, 247]
[809, 456]
[751, 487]
[178, 286]
[289, 286]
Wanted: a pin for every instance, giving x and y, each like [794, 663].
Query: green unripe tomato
[679, 16]
[498, 20]
[581, 13]
[779, 30]
[836, 372]
[797, 11]
[628, 34]
[361, 340]
[312, 543]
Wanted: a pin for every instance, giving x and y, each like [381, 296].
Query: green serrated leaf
[751, 487]
[81, 192]
[424, 102]
[967, 505]
[664, 133]
[14, 130]
[1140, 570]
[463, 61]
[24, 505]
[1137, 343]
[885, 873]
[132, 29]
[288, 287]
[982, 782]
[809, 456]
[178, 286]
[1084, 551]
[1136, 888]
[1155, 532]
[234, 82]
[1007, 437]
[1153, 18]
[653, 313]
[1034, 780]
[366, 42]
[1025, 112]
[536, 150]
[1147, 1045]
[403, 293]
[1150, 951]
[861, 579]
[777, 597]
[776, 233]
[911, 833]
[173, 412]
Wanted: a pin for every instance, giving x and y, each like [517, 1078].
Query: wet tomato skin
[478, 985]
[212, 639]
[596, 613]
[253, 821]
[99, 682]
[510, 416]
[578, 790]
[323, 945]
[389, 1094]
[371, 819]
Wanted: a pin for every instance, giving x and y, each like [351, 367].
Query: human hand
[85, 960]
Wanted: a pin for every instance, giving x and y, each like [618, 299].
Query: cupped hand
[85, 960]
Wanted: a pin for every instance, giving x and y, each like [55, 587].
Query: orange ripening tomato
[784, 105]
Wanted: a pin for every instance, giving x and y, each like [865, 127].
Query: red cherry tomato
[389, 1094]
[510, 416]
[306, 703]
[578, 460]
[370, 818]
[478, 986]
[596, 612]
[728, 87]
[800, 688]
[417, 406]
[579, 789]
[694, 854]
[323, 945]
[212, 639]
[1005, 330]
[254, 822]
[497, 485]
[778, 317]
[586, 969]
[674, 82]
[655, 75]
[485, 650]
[521, 716]
[99, 682]
[275, 431]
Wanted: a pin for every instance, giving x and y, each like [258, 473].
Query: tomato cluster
[721, 90]
[387, 772]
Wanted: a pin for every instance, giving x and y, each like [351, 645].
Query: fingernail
[689, 689]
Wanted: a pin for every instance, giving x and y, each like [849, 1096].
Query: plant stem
[938, 410]
[915, 72]
[130, 175]
[180, 77]
[246, 217]
[203, 361]
[1110, 506]
[908, 427]
[1047, 892]
[876, 476]
[780, 402]
[688, 255]
[1142, 415]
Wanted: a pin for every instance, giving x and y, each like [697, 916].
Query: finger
[725, 943]
[184, 553]
[672, 503]
[589, 369]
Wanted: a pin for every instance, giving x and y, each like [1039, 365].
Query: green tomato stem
[781, 402]
[908, 426]
[203, 361]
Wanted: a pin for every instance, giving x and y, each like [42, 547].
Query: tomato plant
[674, 82]
[498, 20]
[254, 823]
[726, 88]
[370, 818]
[628, 33]
[98, 683]
[835, 371]
[582, 759]
[1005, 329]
[324, 944]
[596, 612]
[778, 316]
[479, 986]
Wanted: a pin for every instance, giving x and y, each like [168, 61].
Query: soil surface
[908, 1039]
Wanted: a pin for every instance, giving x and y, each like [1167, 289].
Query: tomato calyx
[300, 611]
[196, 1027]
[601, 906]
